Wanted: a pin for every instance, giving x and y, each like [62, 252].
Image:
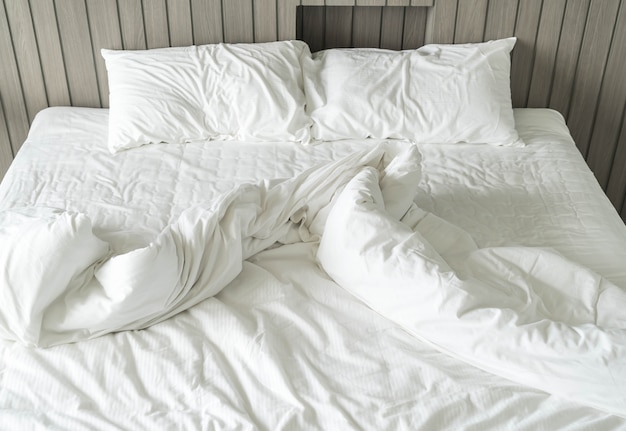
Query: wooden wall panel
[131, 25]
[338, 27]
[50, 53]
[591, 64]
[24, 44]
[105, 31]
[11, 96]
[501, 18]
[78, 53]
[523, 55]
[238, 21]
[179, 21]
[207, 21]
[414, 27]
[548, 37]
[155, 23]
[265, 28]
[366, 23]
[570, 54]
[6, 153]
[470, 21]
[392, 28]
[605, 132]
[441, 21]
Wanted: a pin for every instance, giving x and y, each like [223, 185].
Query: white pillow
[248, 92]
[435, 94]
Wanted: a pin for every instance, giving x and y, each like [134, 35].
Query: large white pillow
[248, 92]
[435, 94]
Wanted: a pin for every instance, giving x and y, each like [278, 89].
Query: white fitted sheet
[283, 347]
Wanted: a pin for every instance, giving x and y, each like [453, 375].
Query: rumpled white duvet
[524, 313]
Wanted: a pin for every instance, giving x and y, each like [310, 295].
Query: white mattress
[283, 347]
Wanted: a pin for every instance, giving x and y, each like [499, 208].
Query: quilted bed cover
[283, 346]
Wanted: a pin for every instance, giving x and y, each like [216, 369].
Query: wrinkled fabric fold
[523, 313]
[192, 259]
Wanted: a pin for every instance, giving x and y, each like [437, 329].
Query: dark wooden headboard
[570, 54]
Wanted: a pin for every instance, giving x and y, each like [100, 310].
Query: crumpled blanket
[526, 314]
[61, 283]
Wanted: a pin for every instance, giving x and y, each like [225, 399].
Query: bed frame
[570, 54]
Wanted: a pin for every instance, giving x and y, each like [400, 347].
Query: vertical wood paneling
[567, 55]
[338, 28]
[78, 53]
[398, 2]
[105, 33]
[25, 45]
[238, 21]
[366, 27]
[131, 25]
[523, 55]
[11, 87]
[50, 54]
[591, 65]
[602, 145]
[265, 29]
[155, 23]
[207, 21]
[179, 20]
[470, 21]
[392, 28]
[548, 38]
[414, 27]
[441, 22]
[312, 28]
[501, 17]
[286, 18]
[6, 153]
[616, 190]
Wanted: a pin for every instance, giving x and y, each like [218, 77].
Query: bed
[183, 260]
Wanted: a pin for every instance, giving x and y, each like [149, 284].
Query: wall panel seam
[601, 91]
[6, 123]
[193, 33]
[575, 76]
[17, 67]
[30, 10]
[62, 48]
[93, 52]
[534, 56]
[556, 54]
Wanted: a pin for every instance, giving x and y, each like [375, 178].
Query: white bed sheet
[283, 347]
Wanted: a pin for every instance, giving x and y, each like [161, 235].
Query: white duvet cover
[284, 347]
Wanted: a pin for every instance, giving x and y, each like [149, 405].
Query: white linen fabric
[435, 94]
[283, 346]
[74, 290]
[223, 91]
[524, 313]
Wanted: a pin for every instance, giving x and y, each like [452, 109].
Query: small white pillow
[435, 94]
[250, 92]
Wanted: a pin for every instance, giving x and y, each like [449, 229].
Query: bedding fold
[523, 313]
[192, 259]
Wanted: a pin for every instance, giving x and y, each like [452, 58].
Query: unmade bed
[504, 311]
